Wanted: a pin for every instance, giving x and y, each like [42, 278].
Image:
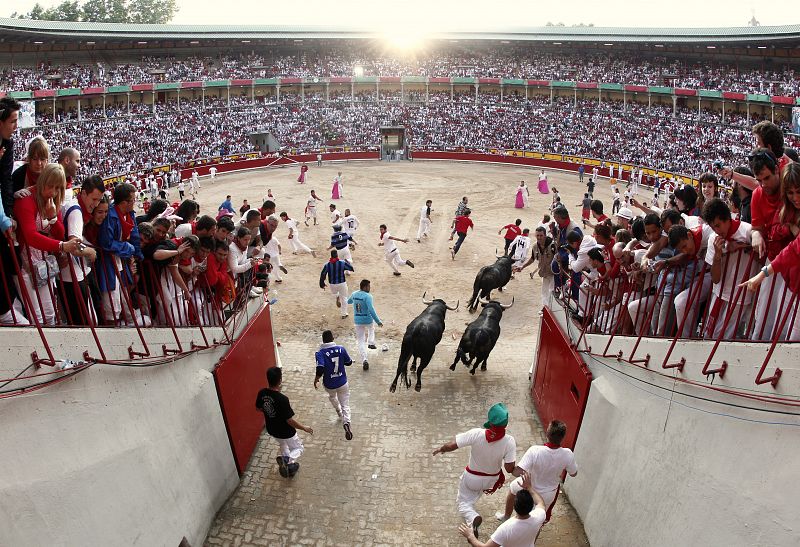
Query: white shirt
[73, 225]
[213, 171]
[521, 246]
[350, 224]
[292, 225]
[486, 457]
[181, 186]
[312, 203]
[336, 216]
[388, 244]
[732, 273]
[516, 532]
[237, 259]
[546, 465]
[183, 230]
[423, 213]
[582, 261]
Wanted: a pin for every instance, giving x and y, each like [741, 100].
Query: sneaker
[476, 522]
[372, 346]
[258, 290]
[452, 254]
[501, 516]
[366, 365]
[283, 468]
[410, 264]
[418, 241]
[347, 433]
[345, 315]
[396, 273]
[254, 294]
[293, 469]
[283, 269]
[314, 254]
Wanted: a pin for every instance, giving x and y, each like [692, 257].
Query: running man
[331, 362]
[294, 236]
[462, 224]
[280, 423]
[364, 317]
[336, 215]
[350, 224]
[512, 231]
[311, 207]
[462, 206]
[341, 242]
[520, 248]
[334, 271]
[424, 220]
[492, 450]
[392, 253]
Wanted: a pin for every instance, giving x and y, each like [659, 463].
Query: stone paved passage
[384, 487]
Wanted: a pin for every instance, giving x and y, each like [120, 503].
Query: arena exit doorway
[393, 143]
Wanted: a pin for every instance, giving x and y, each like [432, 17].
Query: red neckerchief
[86, 214]
[69, 183]
[697, 235]
[734, 227]
[383, 234]
[332, 260]
[553, 446]
[495, 433]
[127, 222]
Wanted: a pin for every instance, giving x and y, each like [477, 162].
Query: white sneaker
[500, 516]
[254, 294]
[257, 290]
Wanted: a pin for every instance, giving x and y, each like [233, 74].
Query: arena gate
[239, 375]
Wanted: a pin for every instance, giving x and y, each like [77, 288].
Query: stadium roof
[24, 30]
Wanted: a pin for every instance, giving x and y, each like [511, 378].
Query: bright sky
[419, 15]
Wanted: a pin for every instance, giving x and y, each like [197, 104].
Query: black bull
[490, 278]
[419, 341]
[481, 335]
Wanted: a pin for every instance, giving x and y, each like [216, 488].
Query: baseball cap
[625, 213]
[498, 416]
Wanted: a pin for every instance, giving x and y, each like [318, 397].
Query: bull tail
[476, 288]
[406, 352]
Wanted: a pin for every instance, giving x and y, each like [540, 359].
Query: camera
[718, 164]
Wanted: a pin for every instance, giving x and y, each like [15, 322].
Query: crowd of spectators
[352, 59]
[632, 132]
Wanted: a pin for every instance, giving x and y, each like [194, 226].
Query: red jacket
[27, 232]
[463, 223]
[787, 263]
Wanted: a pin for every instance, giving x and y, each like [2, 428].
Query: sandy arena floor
[384, 487]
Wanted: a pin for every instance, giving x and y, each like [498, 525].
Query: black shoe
[293, 469]
[347, 433]
[283, 469]
[410, 264]
[372, 346]
[283, 269]
[366, 365]
[396, 273]
[476, 522]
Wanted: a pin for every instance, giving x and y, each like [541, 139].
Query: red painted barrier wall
[202, 170]
[239, 376]
[561, 383]
[496, 158]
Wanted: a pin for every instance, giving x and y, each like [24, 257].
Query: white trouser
[515, 487]
[394, 260]
[291, 448]
[17, 317]
[547, 290]
[690, 321]
[470, 489]
[767, 315]
[424, 227]
[340, 400]
[311, 212]
[339, 290]
[345, 254]
[365, 334]
[275, 261]
[298, 245]
[40, 299]
[662, 314]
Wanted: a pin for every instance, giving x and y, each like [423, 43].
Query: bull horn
[483, 300]
[506, 306]
[497, 255]
[426, 302]
[453, 309]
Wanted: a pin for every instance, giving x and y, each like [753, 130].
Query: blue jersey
[331, 360]
[339, 240]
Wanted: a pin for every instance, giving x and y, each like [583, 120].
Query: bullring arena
[384, 487]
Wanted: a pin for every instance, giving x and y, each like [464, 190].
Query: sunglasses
[767, 156]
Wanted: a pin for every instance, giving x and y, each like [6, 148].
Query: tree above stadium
[106, 11]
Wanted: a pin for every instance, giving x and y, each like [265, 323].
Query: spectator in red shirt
[512, 231]
[463, 223]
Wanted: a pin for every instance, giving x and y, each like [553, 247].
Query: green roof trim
[463, 81]
[218, 83]
[118, 89]
[711, 93]
[167, 86]
[758, 98]
[70, 92]
[21, 94]
[365, 80]
[413, 79]
[612, 87]
[265, 81]
[661, 90]
[512, 81]
[559, 83]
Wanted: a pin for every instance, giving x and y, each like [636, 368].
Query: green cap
[498, 415]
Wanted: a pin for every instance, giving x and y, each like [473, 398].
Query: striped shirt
[334, 271]
[339, 240]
